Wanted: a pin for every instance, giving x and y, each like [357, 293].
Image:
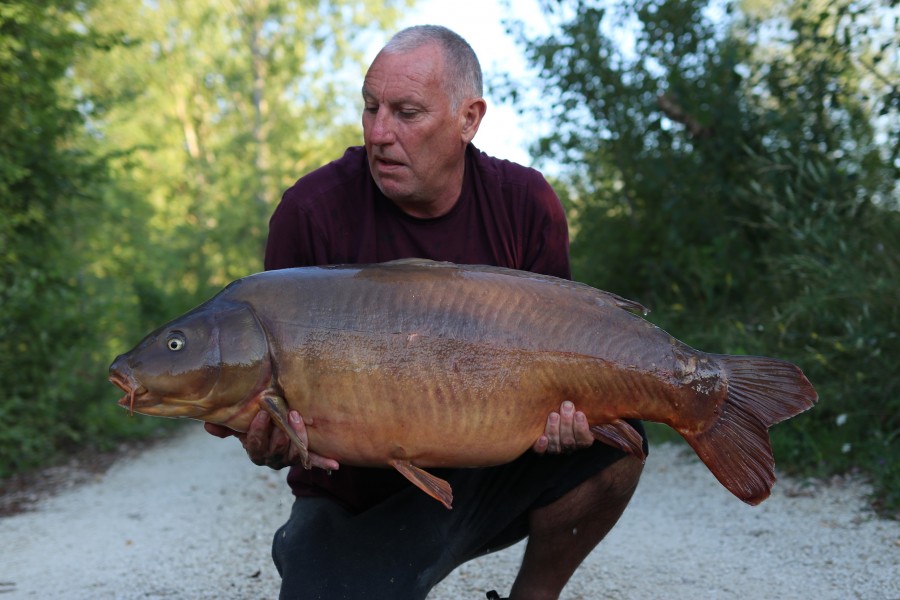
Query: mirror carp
[414, 364]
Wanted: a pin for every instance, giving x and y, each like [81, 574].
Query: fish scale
[415, 364]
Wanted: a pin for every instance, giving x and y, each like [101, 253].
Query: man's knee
[597, 502]
[609, 491]
[620, 479]
[323, 551]
[313, 522]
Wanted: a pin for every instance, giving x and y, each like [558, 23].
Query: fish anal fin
[278, 410]
[435, 487]
[620, 434]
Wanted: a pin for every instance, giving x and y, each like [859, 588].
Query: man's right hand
[268, 445]
[565, 432]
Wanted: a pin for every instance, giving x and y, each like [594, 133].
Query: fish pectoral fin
[619, 434]
[278, 410]
[435, 487]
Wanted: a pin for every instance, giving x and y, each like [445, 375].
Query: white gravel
[192, 518]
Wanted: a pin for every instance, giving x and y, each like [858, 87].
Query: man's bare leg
[562, 534]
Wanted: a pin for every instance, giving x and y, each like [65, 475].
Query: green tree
[736, 167]
[49, 182]
[215, 108]
[143, 146]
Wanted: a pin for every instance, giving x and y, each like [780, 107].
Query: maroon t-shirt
[507, 215]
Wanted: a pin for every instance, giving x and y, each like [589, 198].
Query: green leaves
[143, 146]
[220, 107]
[736, 171]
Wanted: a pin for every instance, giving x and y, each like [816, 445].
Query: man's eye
[408, 114]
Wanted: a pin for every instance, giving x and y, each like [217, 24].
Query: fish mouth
[134, 392]
[138, 398]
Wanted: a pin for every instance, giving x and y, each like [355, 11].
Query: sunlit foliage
[143, 146]
[735, 166]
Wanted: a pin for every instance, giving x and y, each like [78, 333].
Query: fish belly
[436, 402]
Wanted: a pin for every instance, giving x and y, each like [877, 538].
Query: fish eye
[175, 341]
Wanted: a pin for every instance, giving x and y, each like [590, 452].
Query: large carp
[413, 364]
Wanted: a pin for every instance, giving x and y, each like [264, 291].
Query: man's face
[414, 140]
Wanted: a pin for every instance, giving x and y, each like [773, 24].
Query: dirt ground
[191, 518]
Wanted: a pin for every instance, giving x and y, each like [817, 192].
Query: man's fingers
[218, 430]
[324, 463]
[299, 427]
[583, 435]
[256, 440]
[566, 431]
[540, 446]
[567, 427]
[552, 433]
[294, 455]
[280, 446]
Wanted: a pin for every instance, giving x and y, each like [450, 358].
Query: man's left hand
[566, 431]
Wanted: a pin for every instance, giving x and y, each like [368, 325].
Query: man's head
[423, 106]
[462, 75]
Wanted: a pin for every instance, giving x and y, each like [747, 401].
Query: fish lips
[139, 399]
[135, 393]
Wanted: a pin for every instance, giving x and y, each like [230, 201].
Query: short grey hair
[464, 70]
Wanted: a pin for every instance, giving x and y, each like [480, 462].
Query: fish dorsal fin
[435, 487]
[625, 303]
[600, 295]
[419, 262]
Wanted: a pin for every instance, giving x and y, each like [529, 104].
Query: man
[420, 189]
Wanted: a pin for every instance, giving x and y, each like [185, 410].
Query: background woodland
[733, 165]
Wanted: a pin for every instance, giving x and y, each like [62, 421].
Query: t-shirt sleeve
[293, 240]
[548, 246]
[318, 219]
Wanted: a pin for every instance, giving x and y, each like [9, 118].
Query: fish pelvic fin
[620, 434]
[761, 392]
[278, 410]
[435, 487]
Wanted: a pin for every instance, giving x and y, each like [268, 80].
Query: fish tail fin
[761, 392]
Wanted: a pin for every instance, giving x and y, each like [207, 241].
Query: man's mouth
[387, 163]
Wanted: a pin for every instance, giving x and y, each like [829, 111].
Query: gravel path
[191, 519]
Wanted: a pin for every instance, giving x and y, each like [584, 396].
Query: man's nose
[381, 127]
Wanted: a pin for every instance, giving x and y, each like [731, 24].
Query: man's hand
[566, 431]
[268, 445]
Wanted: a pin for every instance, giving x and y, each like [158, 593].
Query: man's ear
[471, 113]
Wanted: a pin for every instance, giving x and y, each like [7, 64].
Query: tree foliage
[736, 167]
[49, 182]
[143, 146]
[733, 164]
[215, 108]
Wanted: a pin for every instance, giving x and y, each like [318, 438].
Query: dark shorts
[402, 547]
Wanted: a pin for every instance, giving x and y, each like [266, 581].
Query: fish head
[206, 365]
